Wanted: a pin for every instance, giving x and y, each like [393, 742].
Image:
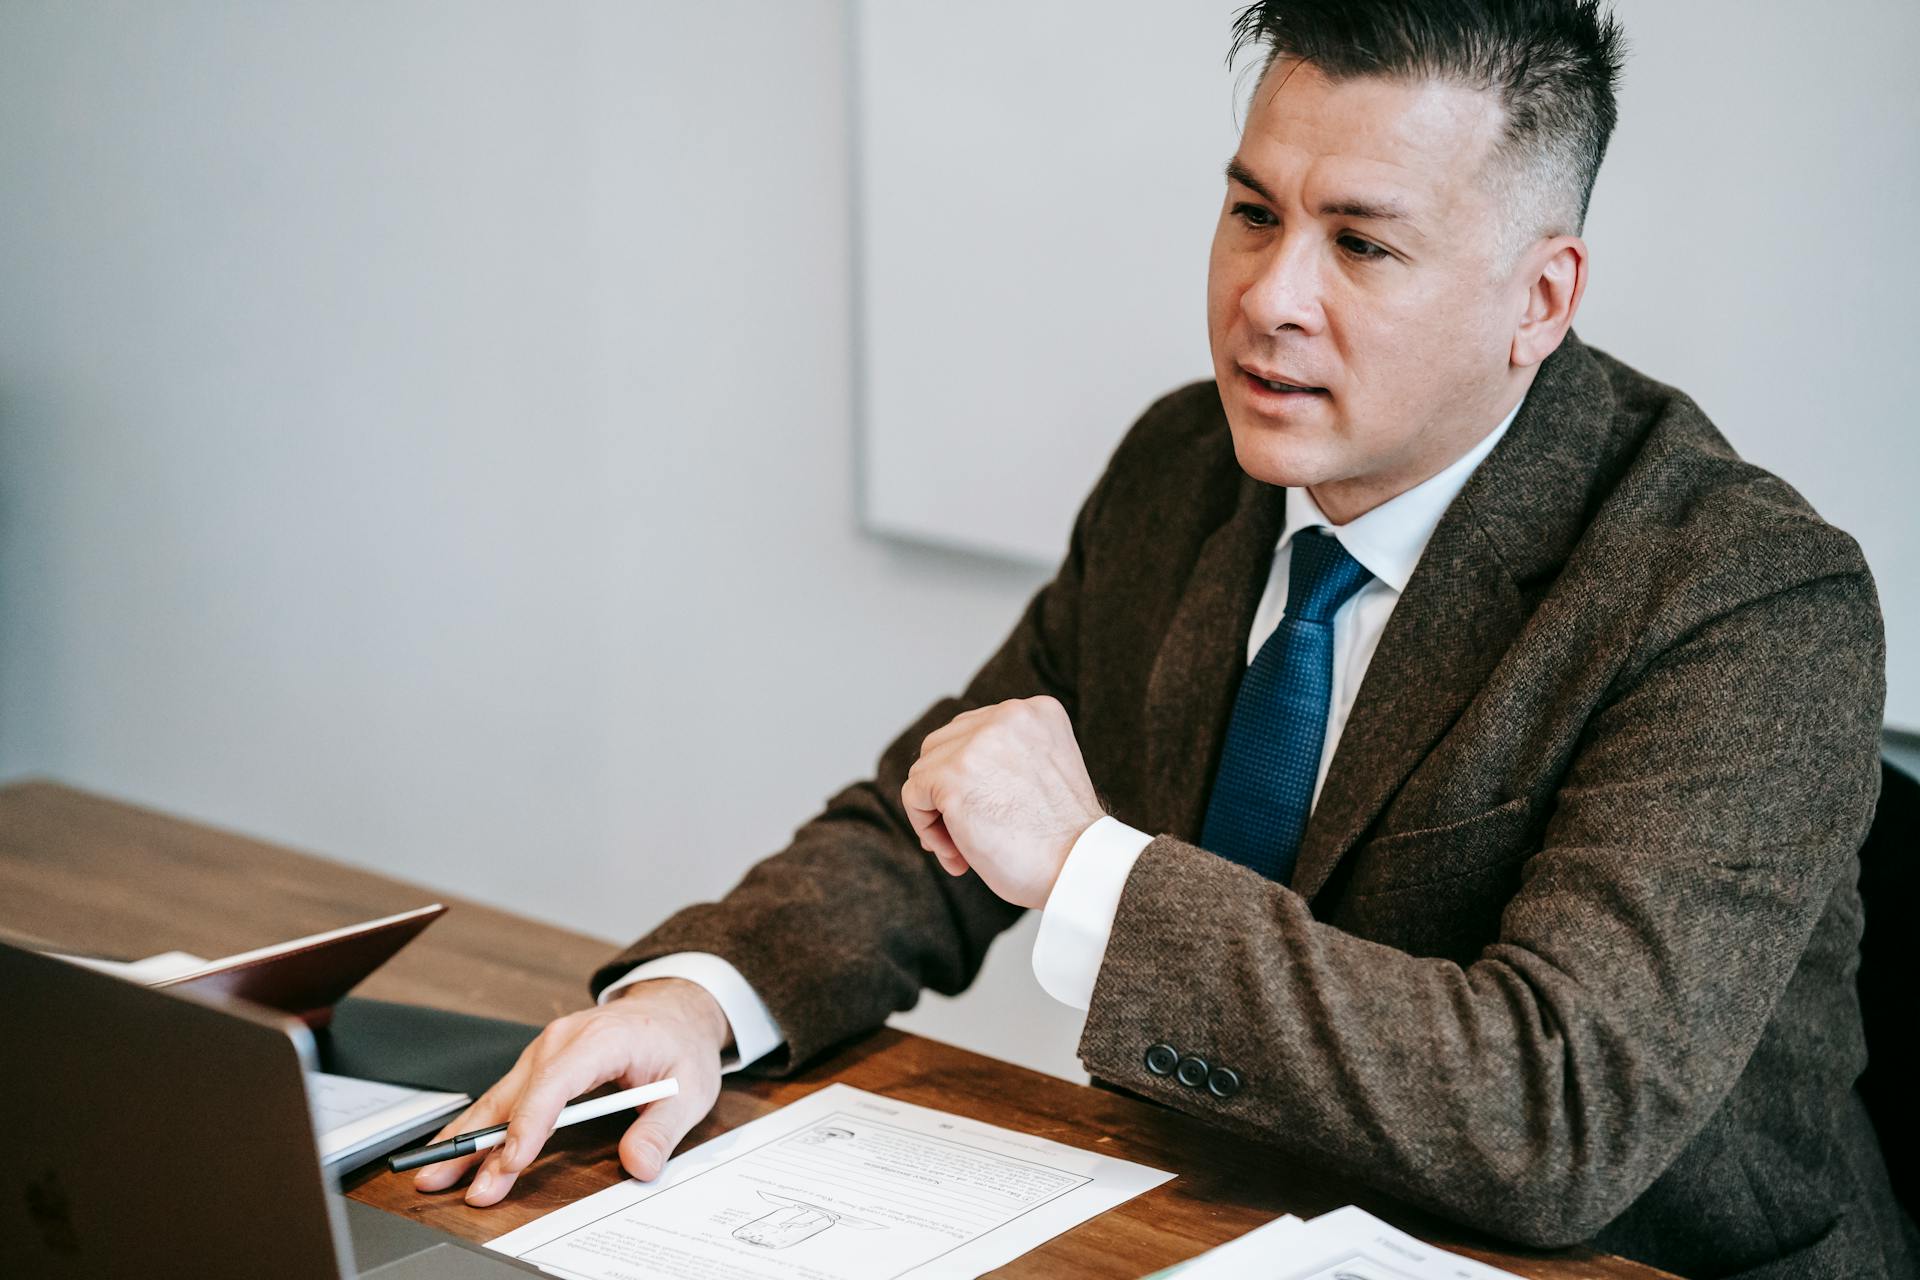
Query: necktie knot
[1321, 576]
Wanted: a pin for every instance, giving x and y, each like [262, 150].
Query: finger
[940, 842]
[958, 727]
[922, 806]
[923, 812]
[652, 1138]
[944, 746]
[1049, 708]
[590, 1058]
[916, 798]
[491, 1184]
[490, 1109]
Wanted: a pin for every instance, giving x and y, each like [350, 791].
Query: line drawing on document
[794, 1221]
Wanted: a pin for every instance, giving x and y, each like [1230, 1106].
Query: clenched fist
[1003, 790]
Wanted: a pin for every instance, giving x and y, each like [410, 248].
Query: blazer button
[1161, 1059]
[1223, 1082]
[1192, 1072]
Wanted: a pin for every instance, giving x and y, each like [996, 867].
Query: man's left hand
[1002, 790]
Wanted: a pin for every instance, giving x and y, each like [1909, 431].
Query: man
[1486, 746]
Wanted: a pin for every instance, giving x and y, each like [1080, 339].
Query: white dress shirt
[1078, 917]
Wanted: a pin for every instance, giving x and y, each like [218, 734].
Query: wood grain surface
[81, 872]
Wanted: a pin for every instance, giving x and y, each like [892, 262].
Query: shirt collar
[1388, 540]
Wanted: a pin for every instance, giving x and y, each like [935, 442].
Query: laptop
[151, 1133]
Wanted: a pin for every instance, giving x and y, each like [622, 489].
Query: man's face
[1358, 254]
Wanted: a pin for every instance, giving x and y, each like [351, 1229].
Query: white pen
[465, 1144]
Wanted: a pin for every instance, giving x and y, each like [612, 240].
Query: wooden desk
[84, 873]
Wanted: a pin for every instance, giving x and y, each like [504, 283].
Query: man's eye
[1253, 215]
[1362, 249]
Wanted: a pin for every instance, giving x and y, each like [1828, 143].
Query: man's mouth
[1281, 385]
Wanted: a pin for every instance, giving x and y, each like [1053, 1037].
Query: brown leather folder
[307, 976]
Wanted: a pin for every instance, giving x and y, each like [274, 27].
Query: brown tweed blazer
[1569, 953]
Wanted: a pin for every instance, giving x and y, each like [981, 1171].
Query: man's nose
[1285, 293]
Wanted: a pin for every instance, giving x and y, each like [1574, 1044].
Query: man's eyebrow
[1381, 211]
[1237, 172]
[1365, 209]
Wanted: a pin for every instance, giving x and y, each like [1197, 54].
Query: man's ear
[1556, 275]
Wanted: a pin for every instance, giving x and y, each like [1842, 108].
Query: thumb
[651, 1138]
[937, 838]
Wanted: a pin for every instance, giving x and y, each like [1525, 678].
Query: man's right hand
[650, 1030]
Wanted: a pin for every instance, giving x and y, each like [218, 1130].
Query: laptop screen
[153, 1133]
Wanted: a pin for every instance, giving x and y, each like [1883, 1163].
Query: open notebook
[361, 1120]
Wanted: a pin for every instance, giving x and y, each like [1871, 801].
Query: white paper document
[842, 1185]
[1347, 1244]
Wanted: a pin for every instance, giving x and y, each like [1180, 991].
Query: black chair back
[1890, 979]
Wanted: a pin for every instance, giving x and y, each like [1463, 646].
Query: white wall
[424, 439]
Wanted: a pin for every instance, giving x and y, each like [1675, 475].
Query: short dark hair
[1554, 63]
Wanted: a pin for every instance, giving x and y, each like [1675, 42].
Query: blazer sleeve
[848, 922]
[1711, 809]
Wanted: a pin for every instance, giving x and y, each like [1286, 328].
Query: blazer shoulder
[1179, 448]
[1171, 480]
[1715, 530]
[1185, 420]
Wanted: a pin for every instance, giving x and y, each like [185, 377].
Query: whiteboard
[1037, 183]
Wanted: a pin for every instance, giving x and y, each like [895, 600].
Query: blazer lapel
[1513, 525]
[1197, 671]
[1457, 617]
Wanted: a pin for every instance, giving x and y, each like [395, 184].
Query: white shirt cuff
[1078, 918]
[754, 1033]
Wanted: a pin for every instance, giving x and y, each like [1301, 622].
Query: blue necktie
[1264, 786]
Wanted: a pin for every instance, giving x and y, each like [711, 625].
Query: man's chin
[1272, 458]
